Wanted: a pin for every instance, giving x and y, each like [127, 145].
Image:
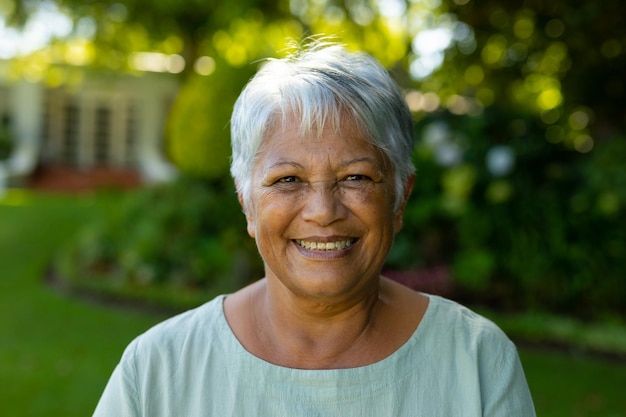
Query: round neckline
[402, 351]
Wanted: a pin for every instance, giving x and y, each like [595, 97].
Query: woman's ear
[248, 213]
[398, 219]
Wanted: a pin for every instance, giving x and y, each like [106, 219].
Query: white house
[107, 120]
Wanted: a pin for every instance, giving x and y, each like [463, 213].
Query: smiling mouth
[325, 246]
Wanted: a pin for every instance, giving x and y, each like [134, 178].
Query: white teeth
[340, 244]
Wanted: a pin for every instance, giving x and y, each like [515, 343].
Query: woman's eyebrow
[281, 164]
[359, 160]
[343, 164]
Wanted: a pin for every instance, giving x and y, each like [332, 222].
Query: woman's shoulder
[448, 319]
[441, 320]
[453, 311]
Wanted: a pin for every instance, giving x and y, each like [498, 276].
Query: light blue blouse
[456, 364]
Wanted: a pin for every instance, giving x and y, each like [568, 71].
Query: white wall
[150, 94]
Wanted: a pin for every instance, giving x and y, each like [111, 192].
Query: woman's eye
[287, 180]
[356, 177]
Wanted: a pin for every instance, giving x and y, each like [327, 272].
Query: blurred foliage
[119, 27]
[561, 62]
[520, 157]
[198, 131]
[550, 234]
[540, 328]
[174, 244]
[519, 111]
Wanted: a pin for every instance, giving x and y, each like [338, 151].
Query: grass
[57, 352]
[574, 385]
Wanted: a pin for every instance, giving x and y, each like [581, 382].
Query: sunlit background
[117, 209]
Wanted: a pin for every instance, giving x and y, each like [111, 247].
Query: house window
[71, 136]
[4, 105]
[6, 141]
[89, 128]
[102, 135]
[5, 118]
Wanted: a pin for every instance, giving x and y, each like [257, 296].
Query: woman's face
[321, 210]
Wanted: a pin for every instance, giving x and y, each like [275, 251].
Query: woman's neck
[308, 335]
[316, 333]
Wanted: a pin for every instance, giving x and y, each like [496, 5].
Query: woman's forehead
[287, 146]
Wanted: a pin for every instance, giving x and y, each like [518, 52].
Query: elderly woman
[322, 164]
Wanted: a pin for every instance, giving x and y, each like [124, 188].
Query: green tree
[122, 26]
[519, 111]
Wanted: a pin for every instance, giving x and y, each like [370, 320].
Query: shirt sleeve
[505, 390]
[120, 398]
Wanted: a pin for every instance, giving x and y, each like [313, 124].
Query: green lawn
[56, 352]
[575, 385]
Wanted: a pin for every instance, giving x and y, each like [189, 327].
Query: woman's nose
[323, 204]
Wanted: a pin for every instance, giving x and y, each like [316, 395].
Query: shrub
[546, 232]
[198, 135]
[175, 244]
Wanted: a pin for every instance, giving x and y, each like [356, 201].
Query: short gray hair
[319, 83]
